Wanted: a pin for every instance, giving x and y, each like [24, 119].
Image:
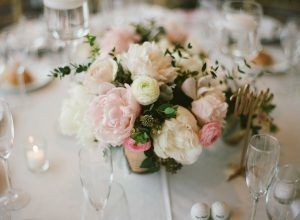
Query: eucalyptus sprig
[63, 71]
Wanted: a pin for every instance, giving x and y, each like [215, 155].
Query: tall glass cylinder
[242, 19]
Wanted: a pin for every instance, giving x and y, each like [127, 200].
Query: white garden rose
[178, 138]
[149, 59]
[102, 70]
[212, 107]
[145, 90]
[72, 117]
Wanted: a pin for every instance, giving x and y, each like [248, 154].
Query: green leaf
[204, 67]
[169, 111]
[239, 69]
[148, 163]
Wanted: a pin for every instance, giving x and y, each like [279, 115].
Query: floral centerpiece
[153, 94]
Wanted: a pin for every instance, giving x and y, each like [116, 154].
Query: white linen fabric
[57, 194]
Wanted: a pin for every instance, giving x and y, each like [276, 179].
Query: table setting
[141, 112]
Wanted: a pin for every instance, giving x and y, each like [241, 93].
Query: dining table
[57, 193]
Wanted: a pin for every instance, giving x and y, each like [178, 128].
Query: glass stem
[254, 206]
[99, 214]
[8, 179]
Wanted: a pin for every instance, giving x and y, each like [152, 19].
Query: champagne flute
[12, 199]
[67, 21]
[96, 175]
[261, 163]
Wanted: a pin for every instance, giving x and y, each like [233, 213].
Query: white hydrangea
[72, 118]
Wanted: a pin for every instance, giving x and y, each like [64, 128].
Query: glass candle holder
[36, 154]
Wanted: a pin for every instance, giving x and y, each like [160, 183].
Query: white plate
[280, 63]
[39, 70]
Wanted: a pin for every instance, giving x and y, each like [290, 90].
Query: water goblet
[261, 163]
[12, 199]
[242, 19]
[67, 21]
[96, 175]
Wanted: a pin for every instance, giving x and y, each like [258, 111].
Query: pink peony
[112, 115]
[210, 133]
[211, 107]
[130, 144]
[118, 38]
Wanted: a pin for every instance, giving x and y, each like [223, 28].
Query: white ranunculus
[178, 138]
[102, 70]
[149, 59]
[145, 89]
[73, 112]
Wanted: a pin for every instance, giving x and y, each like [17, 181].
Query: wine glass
[12, 199]
[116, 207]
[242, 19]
[282, 192]
[261, 163]
[67, 21]
[96, 175]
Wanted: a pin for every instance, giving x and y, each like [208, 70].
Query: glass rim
[86, 161]
[228, 3]
[264, 135]
[280, 168]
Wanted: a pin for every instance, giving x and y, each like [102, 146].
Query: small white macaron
[220, 211]
[200, 211]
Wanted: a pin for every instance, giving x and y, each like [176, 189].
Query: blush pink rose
[175, 32]
[211, 107]
[112, 115]
[118, 38]
[210, 133]
[130, 144]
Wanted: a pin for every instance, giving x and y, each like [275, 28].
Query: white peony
[149, 60]
[102, 70]
[145, 89]
[179, 138]
[72, 118]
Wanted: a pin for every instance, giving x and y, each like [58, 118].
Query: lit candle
[63, 4]
[284, 191]
[241, 22]
[35, 158]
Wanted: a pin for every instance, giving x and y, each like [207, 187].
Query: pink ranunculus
[210, 133]
[130, 144]
[118, 38]
[211, 107]
[112, 115]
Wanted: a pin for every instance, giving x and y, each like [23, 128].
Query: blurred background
[12, 10]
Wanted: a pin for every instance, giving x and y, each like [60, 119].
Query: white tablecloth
[57, 194]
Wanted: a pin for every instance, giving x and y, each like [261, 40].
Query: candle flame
[35, 148]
